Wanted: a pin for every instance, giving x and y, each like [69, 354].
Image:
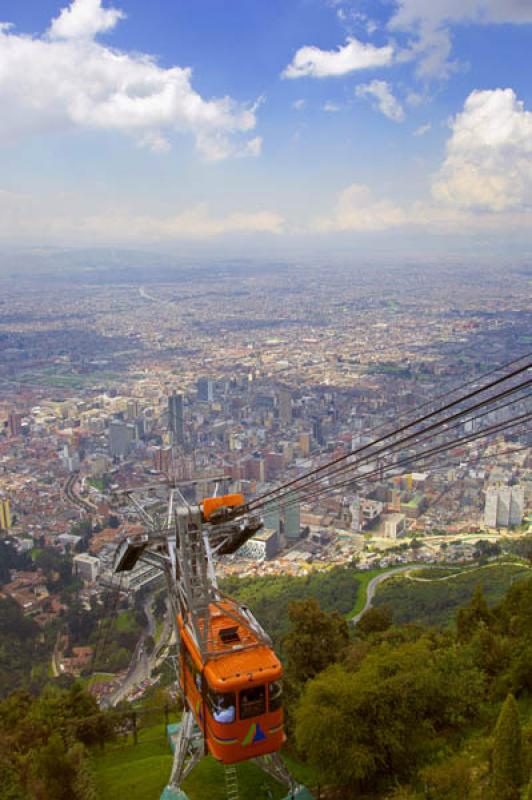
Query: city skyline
[259, 126]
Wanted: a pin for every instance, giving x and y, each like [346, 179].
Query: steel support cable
[424, 405]
[370, 456]
[486, 458]
[397, 445]
[435, 399]
[254, 504]
[411, 460]
[282, 492]
[414, 459]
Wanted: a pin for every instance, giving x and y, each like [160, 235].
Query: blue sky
[327, 121]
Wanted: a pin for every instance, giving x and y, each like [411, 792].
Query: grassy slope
[141, 772]
[434, 602]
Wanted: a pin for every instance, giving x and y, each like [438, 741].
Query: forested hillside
[378, 711]
[269, 597]
[412, 713]
[426, 599]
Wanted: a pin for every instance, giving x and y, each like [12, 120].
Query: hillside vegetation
[269, 597]
[435, 602]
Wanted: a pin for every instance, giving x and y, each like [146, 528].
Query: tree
[451, 780]
[507, 756]
[377, 724]
[316, 640]
[469, 618]
[375, 620]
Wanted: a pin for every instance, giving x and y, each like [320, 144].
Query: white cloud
[489, 155]
[355, 55]
[331, 108]
[429, 20]
[484, 184]
[66, 80]
[423, 129]
[298, 105]
[84, 19]
[356, 210]
[384, 100]
[63, 218]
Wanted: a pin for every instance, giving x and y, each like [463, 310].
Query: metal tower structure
[183, 545]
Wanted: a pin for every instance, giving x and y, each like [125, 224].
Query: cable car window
[252, 702]
[222, 706]
[275, 691]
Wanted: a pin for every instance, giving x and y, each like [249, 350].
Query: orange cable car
[235, 694]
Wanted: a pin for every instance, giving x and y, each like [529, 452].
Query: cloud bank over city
[65, 79]
[358, 120]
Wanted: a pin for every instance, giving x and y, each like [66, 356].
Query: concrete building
[5, 515]
[394, 526]
[354, 508]
[14, 424]
[504, 507]
[162, 459]
[175, 418]
[120, 437]
[262, 547]
[284, 402]
[292, 519]
[205, 389]
[86, 566]
[272, 518]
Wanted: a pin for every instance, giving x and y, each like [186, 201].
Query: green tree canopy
[316, 639]
[507, 756]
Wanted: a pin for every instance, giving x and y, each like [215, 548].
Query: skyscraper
[292, 518]
[504, 507]
[121, 436]
[14, 426]
[5, 515]
[205, 388]
[284, 401]
[271, 517]
[175, 417]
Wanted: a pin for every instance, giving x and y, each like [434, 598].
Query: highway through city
[142, 663]
[72, 496]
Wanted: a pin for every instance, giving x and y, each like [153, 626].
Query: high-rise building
[292, 519]
[120, 437]
[354, 508]
[205, 389]
[133, 409]
[271, 517]
[284, 401]
[175, 418]
[274, 463]
[5, 515]
[317, 431]
[162, 459]
[304, 443]
[87, 566]
[14, 424]
[504, 506]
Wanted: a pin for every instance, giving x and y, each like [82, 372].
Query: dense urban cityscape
[252, 376]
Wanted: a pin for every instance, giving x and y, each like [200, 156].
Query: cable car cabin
[236, 694]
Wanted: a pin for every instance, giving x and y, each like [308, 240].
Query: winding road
[140, 666]
[372, 588]
[378, 579]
